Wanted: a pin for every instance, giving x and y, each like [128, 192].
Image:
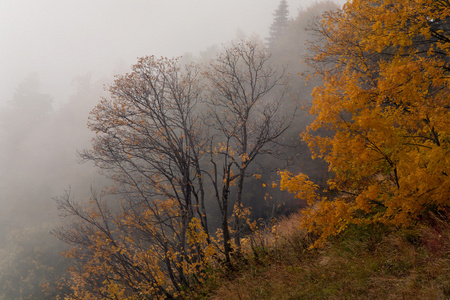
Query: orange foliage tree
[385, 104]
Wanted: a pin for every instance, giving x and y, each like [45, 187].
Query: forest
[313, 159]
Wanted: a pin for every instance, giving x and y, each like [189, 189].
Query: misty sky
[60, 39]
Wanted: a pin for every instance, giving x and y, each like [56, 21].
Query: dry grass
[362, 263]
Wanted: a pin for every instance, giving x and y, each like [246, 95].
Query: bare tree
[245, 97]
[169, 136]
[149, 141]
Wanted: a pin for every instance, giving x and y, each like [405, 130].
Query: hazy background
[60, 39]
[55, 58]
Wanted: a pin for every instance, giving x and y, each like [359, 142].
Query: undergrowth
[364, 262]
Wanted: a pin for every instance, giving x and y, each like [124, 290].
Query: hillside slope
[362, 263]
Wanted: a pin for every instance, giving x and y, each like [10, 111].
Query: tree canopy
[385, 105]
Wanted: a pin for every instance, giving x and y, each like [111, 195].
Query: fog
[62, 39]
[56, 56]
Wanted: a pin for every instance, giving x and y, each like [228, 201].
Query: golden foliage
[385, 103]
[140, 259]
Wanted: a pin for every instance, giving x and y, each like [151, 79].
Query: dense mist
[57, 59]
[63, 39]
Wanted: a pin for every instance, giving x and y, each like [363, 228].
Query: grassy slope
[362, 263]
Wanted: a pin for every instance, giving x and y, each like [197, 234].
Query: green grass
[372, 262]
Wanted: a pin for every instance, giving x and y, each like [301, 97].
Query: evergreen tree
[279, 23]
